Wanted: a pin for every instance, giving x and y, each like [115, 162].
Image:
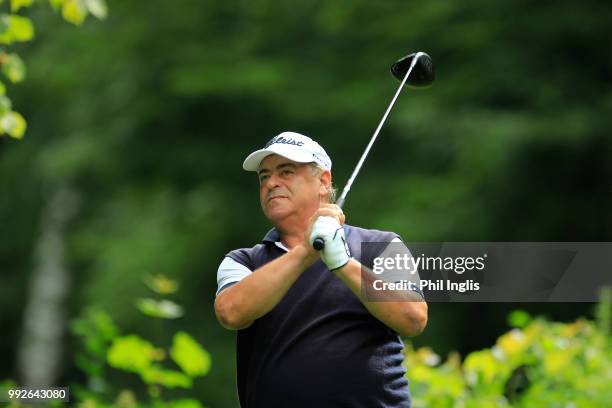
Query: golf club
[402, 69]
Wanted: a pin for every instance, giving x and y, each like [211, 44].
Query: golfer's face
[287, 188]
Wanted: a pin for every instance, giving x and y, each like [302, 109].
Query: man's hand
[327, 226]
[331, 210]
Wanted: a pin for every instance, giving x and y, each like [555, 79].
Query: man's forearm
[239, 305]
[406, 312]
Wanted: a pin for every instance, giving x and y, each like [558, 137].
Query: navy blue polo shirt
[319, 346]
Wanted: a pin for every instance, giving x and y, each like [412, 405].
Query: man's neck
[292, 233]
[292, 228]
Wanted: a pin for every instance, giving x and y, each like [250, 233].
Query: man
[307, 334]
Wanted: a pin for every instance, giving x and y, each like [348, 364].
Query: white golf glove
[336, 252]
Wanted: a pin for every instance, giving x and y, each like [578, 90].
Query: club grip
[318, 244]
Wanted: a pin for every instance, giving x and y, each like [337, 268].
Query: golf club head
[422, 74]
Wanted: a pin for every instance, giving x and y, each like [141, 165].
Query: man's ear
[326, 181]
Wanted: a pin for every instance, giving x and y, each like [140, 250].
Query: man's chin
[277, 212]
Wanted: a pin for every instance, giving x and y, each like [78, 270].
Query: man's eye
[286, 172]
[263, 178]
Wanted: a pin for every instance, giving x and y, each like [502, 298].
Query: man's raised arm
[237, 306]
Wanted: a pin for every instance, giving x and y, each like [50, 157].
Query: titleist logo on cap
[283, 140]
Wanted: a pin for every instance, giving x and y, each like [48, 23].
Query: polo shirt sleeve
[404, 270]
[229, 273]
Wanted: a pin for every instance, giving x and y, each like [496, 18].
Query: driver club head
[422, 74]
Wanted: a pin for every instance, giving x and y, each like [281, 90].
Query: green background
[147, 116]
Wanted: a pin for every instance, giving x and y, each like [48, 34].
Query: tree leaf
[155, 374]
[132, 353]
[164, 309]
[15, 28]
[97, 8]
[519, 318]
[13, 67]
[5, 105]
[74, 11]
[4, 24]
[189, 355]
[126, 399]
[184, 403]
[17, 4]
[104, 324]
[14, 124]
[161, 284]
[56, 4]
[21, 28]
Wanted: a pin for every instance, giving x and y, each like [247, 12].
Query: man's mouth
[275, 197]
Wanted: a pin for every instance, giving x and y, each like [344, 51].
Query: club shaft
[349, 183]
[319, 243]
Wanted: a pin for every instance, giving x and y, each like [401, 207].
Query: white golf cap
[293, 146]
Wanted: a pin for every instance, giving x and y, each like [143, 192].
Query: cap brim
[251, 163]
[253, 160]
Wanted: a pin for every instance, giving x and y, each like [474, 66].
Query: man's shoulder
[254, 248]
[369, 235]
[248, 257]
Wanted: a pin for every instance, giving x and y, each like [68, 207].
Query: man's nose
[272, 181]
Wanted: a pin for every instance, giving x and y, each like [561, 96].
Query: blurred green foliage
[148, 115]
[537, 364]
[105, 347]
[16, 28]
